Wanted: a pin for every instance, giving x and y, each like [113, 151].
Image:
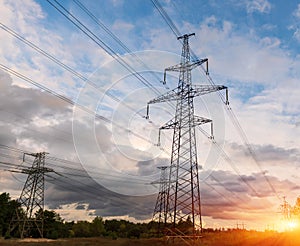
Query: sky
[111, 149]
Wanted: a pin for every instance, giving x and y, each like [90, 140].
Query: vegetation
[296, 209]
[7, 209]
[122, 232]
[55, 227]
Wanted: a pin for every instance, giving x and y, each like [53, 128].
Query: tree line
[55, 227]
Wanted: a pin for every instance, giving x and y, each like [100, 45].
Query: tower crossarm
[199, 90]
[171, 95]
[186, 67]
[195, 90]
[182, 201]
[37, 170]
[197, 121]
[171, 124]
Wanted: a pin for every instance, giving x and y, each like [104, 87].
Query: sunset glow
[82, 97]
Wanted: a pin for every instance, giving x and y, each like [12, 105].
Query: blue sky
[252, 47]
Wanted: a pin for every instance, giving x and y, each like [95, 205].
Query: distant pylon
[160, 210]
[32, 199]
[286, 209]
[183, 199]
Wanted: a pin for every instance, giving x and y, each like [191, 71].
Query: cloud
[225, 196]
[297, 12]
[244, 58]
[36, 122]
[30, 109]
[263, 79]
[91, 196]
[295, 26]
[267, 153]
[121, 25]
[148, 167]
[231, 204]
[297, 34]
[117, 2]
[261, 6]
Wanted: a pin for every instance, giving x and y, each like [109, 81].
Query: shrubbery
[55, 227]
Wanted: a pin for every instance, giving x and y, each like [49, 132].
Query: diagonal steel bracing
[32, 199]
[183, 193]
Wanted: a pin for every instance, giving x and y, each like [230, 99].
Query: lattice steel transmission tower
[160, 210]
[286, 209]
[32, 199]
[183, 196]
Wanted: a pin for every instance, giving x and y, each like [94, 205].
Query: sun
[288, 225]
[292, 225]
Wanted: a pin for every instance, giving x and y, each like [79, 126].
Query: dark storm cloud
[80, 207]
[24, 116]
[84, 190]
[268, 153]
[32, 101]
[222, 199]
[149, 167]
[25, 112]
[224, 194]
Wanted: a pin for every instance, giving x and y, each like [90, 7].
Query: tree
[97, 227]
[7, 209]
[134, 231]
[112, 225]
[82, 229]
[54, 226]
[186, 226]
[296, 209]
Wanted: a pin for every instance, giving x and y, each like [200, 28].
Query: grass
[234, 238]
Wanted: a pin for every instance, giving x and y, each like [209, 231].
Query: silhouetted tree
[82, 229]
[296, 209]
[97, 227]
[7, 209]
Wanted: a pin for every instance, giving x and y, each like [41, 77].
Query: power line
[101, 194]
[69, 165]
[58, 62]
[72, 71]
[114, 37]
[36, 130]
[32, 199]
[167, 18]
[68, 15]
[74, 184]
[71, 102]
[232, 116]
[74, 178]
[54, 60]
[183, 193]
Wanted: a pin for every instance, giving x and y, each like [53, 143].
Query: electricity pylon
[160, 210]
[32, 198]
[286, 209]
[183, 198]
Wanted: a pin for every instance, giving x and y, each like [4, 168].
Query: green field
[242, 238]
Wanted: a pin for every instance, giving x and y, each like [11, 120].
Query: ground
[235, 238]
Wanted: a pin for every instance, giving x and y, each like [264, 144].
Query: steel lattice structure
[32, 199]
[183, 194]
[160, 209]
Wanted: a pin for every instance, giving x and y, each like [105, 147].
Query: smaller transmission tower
[32, 199]
[286, 209]
[160, 210]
